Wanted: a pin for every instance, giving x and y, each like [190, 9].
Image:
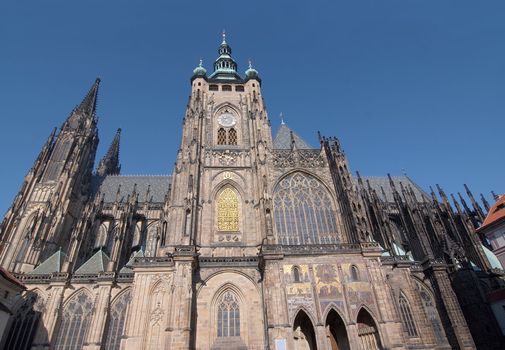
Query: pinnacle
[88, 104]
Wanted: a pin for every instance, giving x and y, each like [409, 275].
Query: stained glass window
[406, 315]
[117, 321]
[227, 211]
[25, 324]
[228, 316]
[75, 321]
[303, 211]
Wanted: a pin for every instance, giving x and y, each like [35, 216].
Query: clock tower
[219, 189]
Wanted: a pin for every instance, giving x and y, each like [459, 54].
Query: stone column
[102, 303]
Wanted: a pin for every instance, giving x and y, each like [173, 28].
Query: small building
[10, 290]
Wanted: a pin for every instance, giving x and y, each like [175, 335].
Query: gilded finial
[282, 119]
[201, 63]
[224, 36]
[250, 64]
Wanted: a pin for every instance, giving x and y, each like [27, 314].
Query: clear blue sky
[414, 85]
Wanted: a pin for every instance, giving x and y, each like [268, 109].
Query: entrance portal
[368, 332]
[303, 333]
[336, 332]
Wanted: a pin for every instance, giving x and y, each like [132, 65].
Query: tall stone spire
[109, 165]
[88, 104]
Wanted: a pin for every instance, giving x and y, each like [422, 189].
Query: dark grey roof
[97, 263]
[283, 139]
[50, 265]
[376, 182]
[108, 186]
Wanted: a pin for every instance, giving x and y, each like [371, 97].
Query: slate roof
[376, 182]
[128, 267]
[108, 185]
[10, 278]
[283, 139]
[50, 265]
[97, 263]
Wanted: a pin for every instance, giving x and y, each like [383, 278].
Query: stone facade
[253, 242]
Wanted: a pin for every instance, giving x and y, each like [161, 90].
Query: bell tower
[219, 185]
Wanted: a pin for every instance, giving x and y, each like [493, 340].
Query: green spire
[225, 68]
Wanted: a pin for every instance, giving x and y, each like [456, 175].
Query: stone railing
[312, 248]
[239, 261]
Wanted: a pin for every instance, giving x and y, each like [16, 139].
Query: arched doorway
[368, 332]
[303, 333]
[336, 332]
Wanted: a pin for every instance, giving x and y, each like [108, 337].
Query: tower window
[232, 137]
[227, 211]
[213, 87]
[221, 137]
[226, 88]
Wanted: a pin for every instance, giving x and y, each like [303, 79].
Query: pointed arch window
[303, 211]
[117, 321]
[227, 211]
[354, 273]
[75, 321]
[296, 274]
[25, 323]
[232, 136]
[228, 316]
[431, 313]
[221, 137]
[406, 315]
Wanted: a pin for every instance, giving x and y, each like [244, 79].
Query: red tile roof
[495, 214]
[9, 277]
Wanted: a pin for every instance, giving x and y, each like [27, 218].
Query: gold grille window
[232, 137]
[221, 137]
[227, 211]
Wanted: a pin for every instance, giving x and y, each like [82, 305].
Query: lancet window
[406, 315]
[228, 315]
[227, 136]
[227, 211]
[303, 211]
[75, 321]
[432, 314]
[117, 321]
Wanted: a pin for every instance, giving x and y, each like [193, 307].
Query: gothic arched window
[228, 315]
[406, 315]
[232, 137]
[221, 137]
[227, 211]
[117, 321]
[296, 274]
[303, 211]
[431, 313]
[75, 321]
[25, 324]
[354, 273]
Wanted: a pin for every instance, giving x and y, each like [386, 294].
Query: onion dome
[199, 71]
[251, 73]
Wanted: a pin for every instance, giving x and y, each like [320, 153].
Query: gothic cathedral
[254, 242]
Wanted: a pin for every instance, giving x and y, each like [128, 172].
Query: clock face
[227, 120]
